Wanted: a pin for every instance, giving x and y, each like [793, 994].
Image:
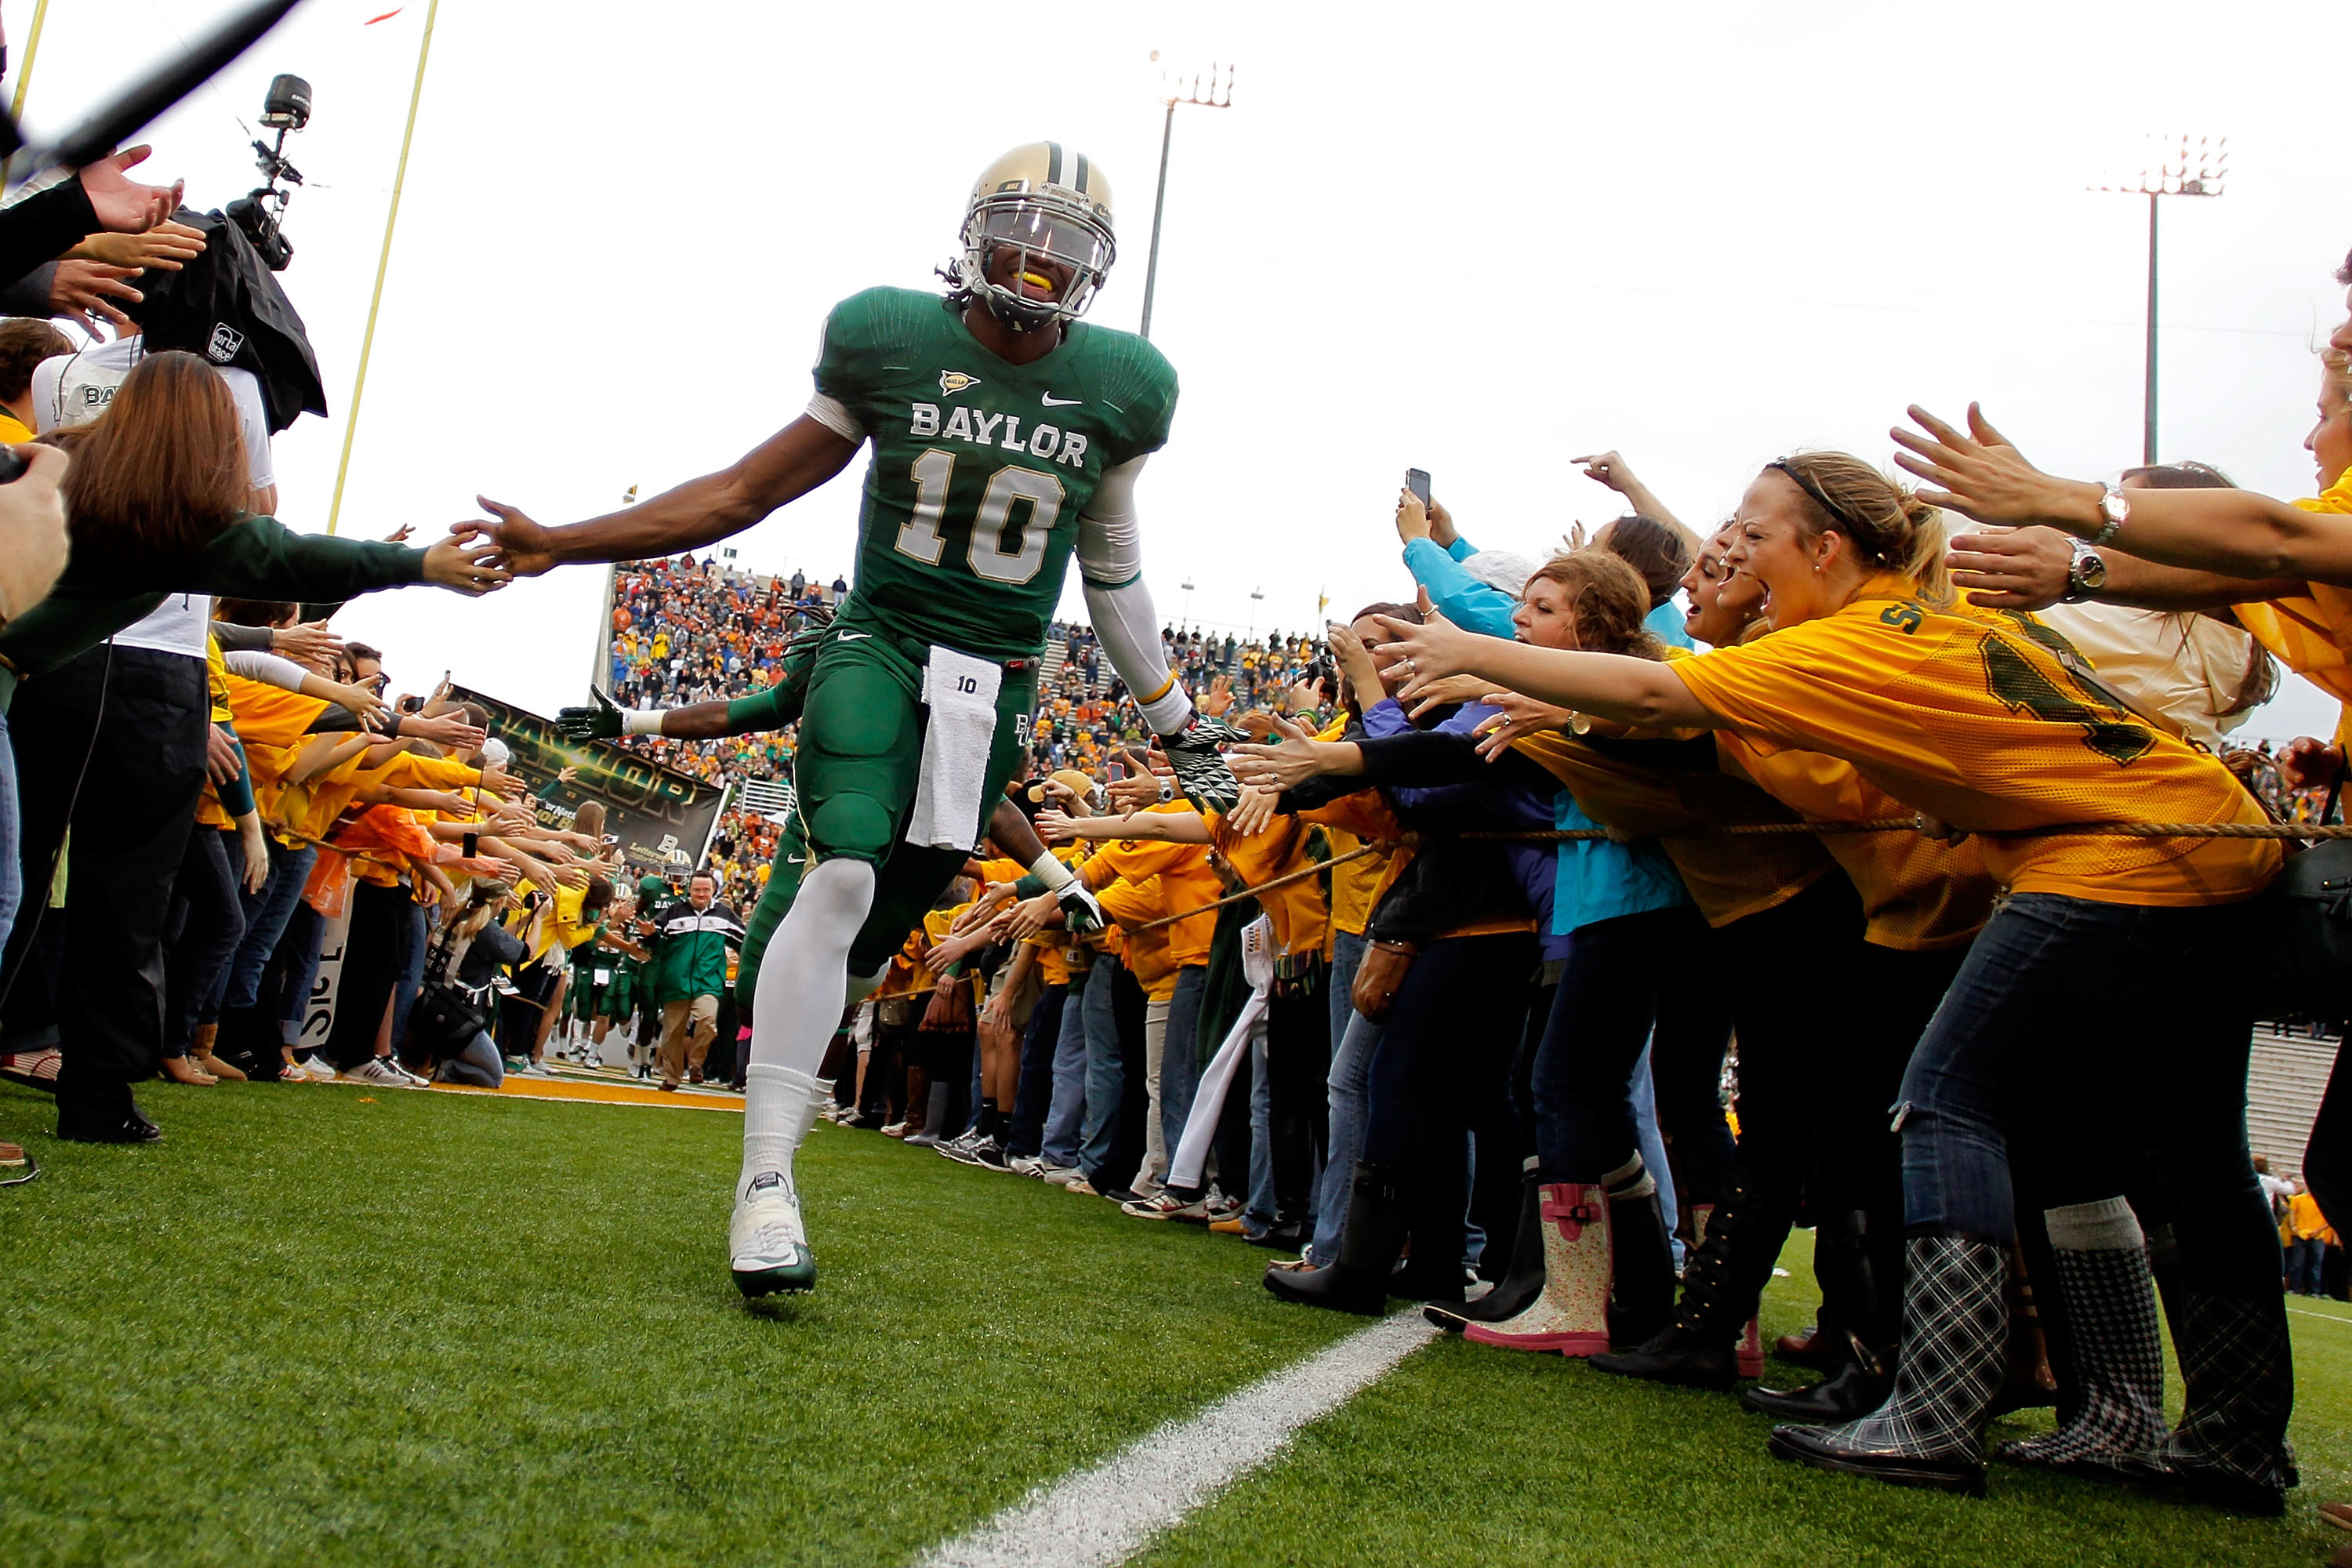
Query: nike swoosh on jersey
[1050, 401]
[854, 636]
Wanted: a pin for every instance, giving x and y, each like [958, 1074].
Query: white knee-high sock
[804, 984]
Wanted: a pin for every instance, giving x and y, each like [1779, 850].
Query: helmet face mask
[1052, 223]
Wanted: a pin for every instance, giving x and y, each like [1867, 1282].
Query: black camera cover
[225, 306]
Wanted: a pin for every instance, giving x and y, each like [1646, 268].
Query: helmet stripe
[1053, 163]
[1081, 182]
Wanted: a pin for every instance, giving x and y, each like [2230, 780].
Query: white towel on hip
[1192, 1157]
[961, 692]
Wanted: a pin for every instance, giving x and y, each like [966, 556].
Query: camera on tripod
[261, 212]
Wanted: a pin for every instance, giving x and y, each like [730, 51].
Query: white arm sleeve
[835, 417]
[1110, 572]
[268, 667]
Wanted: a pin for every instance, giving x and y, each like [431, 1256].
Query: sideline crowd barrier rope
[1919, 825]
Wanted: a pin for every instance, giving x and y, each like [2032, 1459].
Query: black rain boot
[1863, 1373]
[2101, 1261]
[1369, 1246]
[1700, 1348]
[1643, 1302]
[1516, 1290]
[1930, 1431]
[97, 1107]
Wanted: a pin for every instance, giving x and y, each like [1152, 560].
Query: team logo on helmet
[954, 380]
[1051, 208]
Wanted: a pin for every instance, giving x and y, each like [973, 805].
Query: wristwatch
[2085, 574]
[2116, 507]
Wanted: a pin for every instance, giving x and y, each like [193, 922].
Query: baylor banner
[663, 817]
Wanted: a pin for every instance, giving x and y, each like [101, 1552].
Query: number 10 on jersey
[919, 536]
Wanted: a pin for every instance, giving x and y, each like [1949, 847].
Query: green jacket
[689, 950]
[102, 592]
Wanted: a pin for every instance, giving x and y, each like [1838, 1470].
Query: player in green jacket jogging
[1007, 436]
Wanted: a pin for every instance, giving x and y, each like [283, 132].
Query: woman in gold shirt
[1989, 722]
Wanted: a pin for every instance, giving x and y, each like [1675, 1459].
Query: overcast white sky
[1479, 239]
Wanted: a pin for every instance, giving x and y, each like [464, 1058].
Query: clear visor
[1043, 233]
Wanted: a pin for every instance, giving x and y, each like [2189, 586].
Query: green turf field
[322, 1326]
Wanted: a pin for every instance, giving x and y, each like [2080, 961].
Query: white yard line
[2323, 1317]
[1102, 1516]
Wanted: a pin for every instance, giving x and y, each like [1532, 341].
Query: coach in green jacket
[688, 974]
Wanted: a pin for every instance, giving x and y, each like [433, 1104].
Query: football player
[774, 707]
[1007, 436]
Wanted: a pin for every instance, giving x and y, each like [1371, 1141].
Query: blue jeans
[1180, 1057]
[265, 915]
[1033, 1089]
[306, 928]
[1067, 1115]
[1259, 1211]
[479, 1064]
[1111, 1149]
[1352, 1070]
[2306, 1261]
[1654, 1145]
[411, 983]
[2064, 1003]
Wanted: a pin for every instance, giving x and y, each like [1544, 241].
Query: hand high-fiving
[1424, 653]
[523, 547]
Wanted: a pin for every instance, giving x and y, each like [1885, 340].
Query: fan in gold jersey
[1990, 723]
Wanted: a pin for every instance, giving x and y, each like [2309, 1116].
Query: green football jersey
[981, 468]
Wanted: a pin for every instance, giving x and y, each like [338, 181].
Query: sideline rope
[1763, 829]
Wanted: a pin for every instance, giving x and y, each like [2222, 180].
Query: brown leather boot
[201, 1053]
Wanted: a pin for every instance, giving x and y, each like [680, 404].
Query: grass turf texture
[322, 1326]
[1488, 1458]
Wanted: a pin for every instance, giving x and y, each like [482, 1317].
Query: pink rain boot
[1571, 1316]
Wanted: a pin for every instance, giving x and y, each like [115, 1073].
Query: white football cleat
[767, 1245]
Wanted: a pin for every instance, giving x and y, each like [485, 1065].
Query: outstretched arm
[1609, 469]
[796, 460]
[2025, 569]
[2237, 532]
[1110, 573]
[1641, 692]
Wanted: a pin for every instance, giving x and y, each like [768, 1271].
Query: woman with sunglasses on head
[1923, 901]
[112, 738]
[1990, 723]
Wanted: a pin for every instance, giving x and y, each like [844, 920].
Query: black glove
[601, 720]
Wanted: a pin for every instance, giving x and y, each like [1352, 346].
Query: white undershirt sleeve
[835, 417]
[1110, 573]
[267, 668]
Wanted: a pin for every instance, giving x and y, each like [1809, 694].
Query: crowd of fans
[1299, 1014]
[1444, 1007]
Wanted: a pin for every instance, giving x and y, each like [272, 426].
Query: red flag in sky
[387, 17]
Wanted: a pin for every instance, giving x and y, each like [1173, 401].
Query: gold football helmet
[1049, 201]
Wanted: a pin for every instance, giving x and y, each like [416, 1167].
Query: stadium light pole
[1187, 585]
[1209, 92]
[2175, 170]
